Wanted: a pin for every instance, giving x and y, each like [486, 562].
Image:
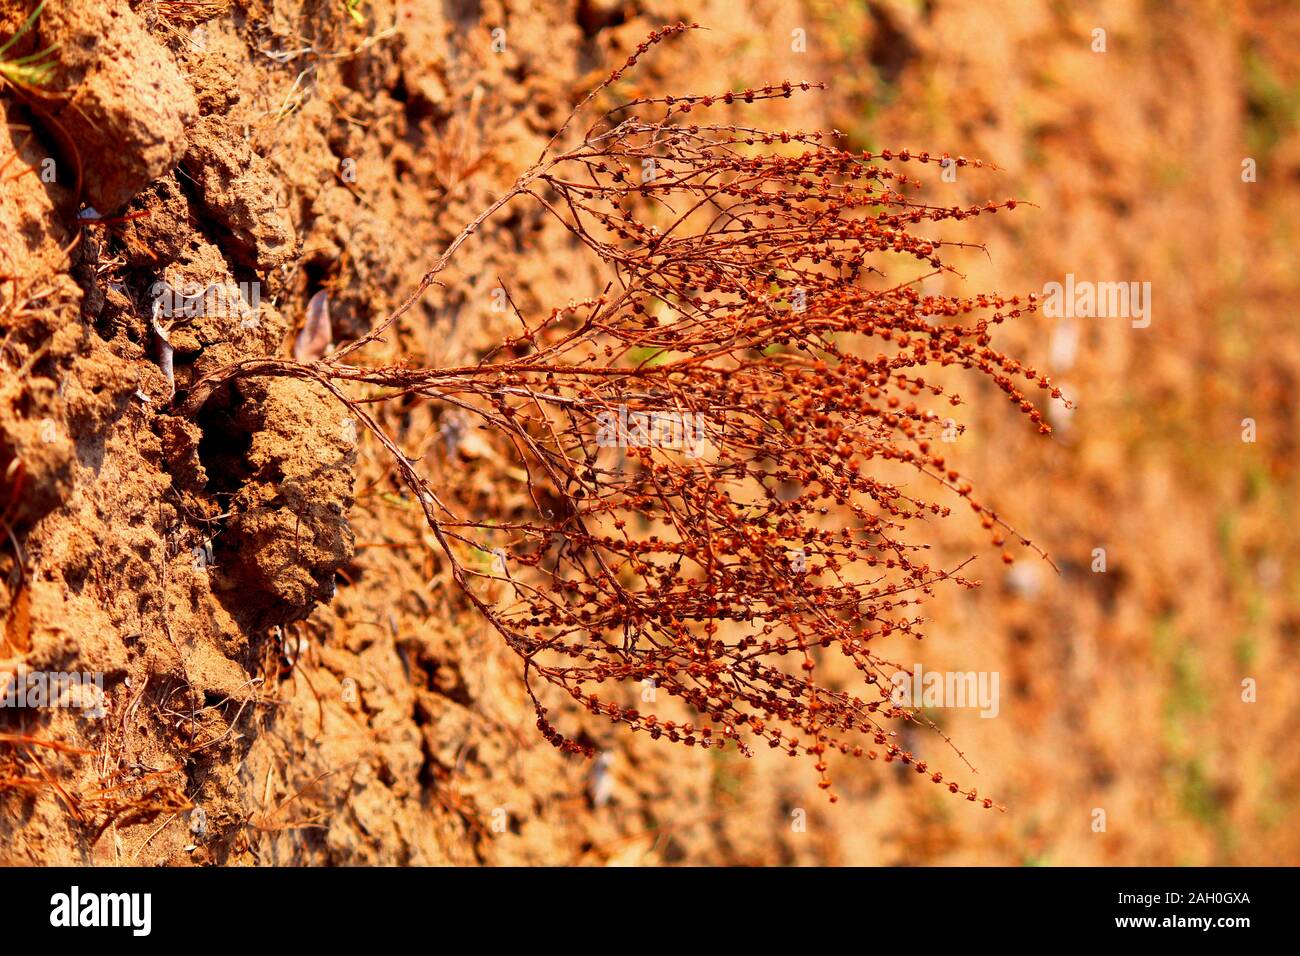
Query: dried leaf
[316, 336]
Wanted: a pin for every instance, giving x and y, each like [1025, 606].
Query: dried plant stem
[708, 445]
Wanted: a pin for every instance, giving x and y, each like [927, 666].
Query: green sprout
[354, 11]
[32, 70]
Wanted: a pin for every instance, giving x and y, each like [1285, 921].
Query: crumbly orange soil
[290, 675]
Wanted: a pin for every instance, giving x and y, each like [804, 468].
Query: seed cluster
[745, 291]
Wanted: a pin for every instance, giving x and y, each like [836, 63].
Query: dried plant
[113, 797]
[706, 444]
[190, 13]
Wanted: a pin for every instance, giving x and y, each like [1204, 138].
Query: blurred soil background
[290, 675]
